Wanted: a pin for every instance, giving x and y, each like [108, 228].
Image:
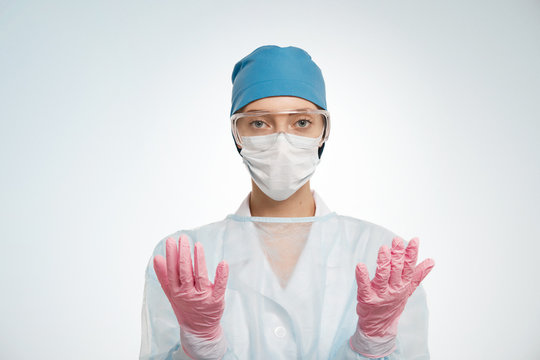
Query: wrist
[197, 347]
[372, 346]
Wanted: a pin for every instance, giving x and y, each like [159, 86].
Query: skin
[301, 203]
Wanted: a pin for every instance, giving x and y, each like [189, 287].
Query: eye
[303, 123]
[257, 124]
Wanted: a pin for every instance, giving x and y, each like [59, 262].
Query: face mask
[280, 163]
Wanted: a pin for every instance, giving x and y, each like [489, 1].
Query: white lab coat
[313, 317]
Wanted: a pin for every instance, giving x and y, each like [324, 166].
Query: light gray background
[114, 133]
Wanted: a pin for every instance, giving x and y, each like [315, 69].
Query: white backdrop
[114, 133]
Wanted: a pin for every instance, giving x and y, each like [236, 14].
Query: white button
[280, 332]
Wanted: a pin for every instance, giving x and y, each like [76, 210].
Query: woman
[291, 277]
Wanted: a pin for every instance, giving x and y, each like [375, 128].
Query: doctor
[292, 279]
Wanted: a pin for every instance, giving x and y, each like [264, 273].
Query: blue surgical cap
[277, 71]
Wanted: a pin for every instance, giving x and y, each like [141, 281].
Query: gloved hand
[382, 300]
[197, 303]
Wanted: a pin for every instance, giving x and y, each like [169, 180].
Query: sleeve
[160, 332]
[412, 338]
[413, 327]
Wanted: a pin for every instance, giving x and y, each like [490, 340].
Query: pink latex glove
[197, 303]
[382, 300]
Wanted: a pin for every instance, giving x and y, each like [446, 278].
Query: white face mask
[280, 163]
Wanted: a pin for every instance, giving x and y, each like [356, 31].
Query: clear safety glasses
[308, 123]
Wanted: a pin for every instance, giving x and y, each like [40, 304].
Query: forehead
[280, 103]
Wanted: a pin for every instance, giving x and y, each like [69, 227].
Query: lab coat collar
[320, 207]
[244, 257]
[236, 251]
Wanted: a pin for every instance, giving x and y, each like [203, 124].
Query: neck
[300, 204]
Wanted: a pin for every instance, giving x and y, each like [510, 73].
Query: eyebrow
[303, 109]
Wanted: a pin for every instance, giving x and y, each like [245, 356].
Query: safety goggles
[308, 123]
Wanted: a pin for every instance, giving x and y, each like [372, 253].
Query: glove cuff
[198, 348]
[372, 346]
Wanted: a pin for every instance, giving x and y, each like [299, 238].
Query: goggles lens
[307, 123]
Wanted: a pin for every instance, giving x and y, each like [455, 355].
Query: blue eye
[258, 124]
[303, 123]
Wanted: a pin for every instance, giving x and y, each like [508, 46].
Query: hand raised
[197, 303]
[382, 300]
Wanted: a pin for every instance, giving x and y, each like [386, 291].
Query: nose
[281, 124]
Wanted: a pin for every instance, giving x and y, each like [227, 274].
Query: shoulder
[360, 226]
[198, 234]
[208, 235]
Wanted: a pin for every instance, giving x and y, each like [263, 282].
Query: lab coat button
[280, 332]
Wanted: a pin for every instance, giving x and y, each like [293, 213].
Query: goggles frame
[236, 116]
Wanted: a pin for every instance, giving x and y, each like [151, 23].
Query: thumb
[160, 267]
[421, 272]
[363, 282]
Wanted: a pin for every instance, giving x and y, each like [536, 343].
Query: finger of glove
[365, 293]
[397, 259]
[411, 256]
[200, 271]
[185, 264]
[160, 268]
[380, 281]
[172, 264]
[421, 272]
[220, 281]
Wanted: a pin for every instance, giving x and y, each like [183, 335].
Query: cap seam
[265, 81]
